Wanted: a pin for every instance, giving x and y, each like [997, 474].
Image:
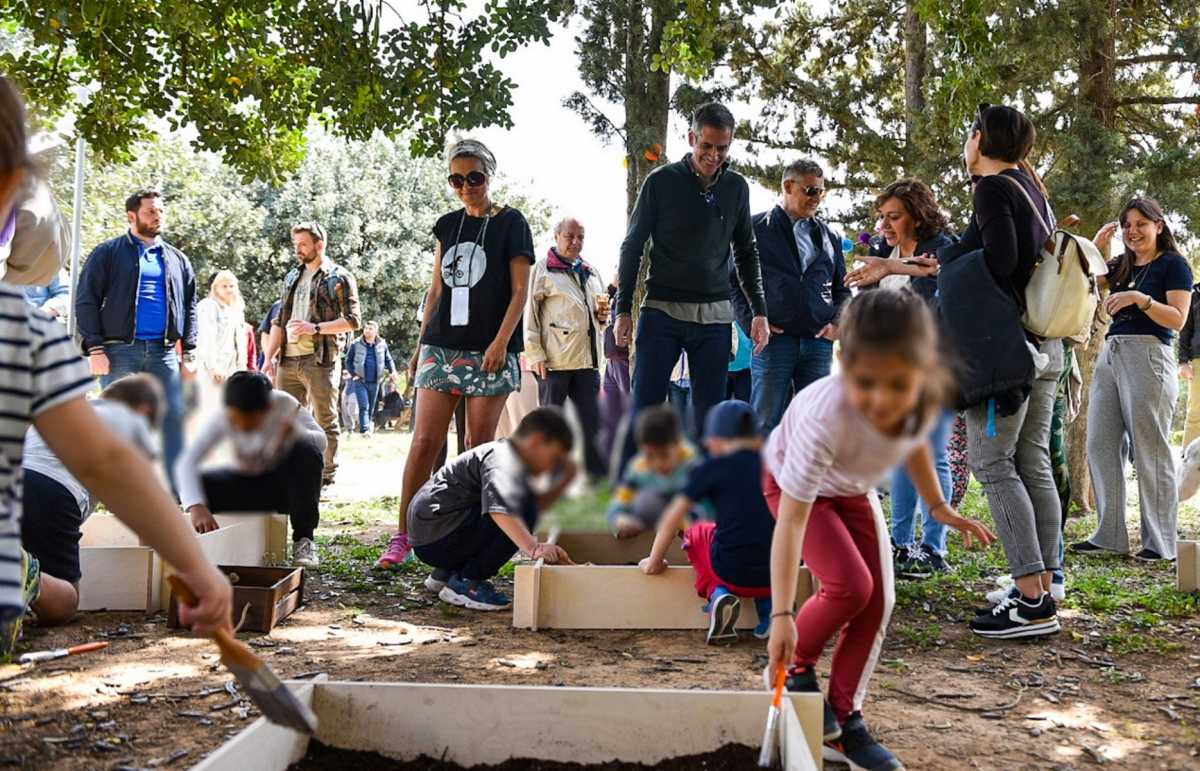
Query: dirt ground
[1119, 687]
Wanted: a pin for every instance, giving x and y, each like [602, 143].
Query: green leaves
[248, 77]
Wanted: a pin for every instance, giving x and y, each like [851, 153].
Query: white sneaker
[1004, 586]
[1058, 591]
[304, 553]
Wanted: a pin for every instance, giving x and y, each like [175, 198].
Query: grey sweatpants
[1133, 398]
[1014, 468]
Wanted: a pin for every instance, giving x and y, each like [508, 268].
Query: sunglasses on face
[812, 191]
[474, 179]
[978, 124]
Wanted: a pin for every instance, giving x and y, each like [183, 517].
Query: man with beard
[136, 299]
[319, 309]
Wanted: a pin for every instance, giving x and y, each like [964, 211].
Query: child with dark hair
[478, 510]
[838, 439]
[58, 503]
[655, 475]
[731, 556]
[278, 451]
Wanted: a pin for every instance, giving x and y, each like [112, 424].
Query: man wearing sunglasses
[803, 275]
[691, 211]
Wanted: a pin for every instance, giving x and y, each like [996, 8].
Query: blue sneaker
[859, 750]
[725, 608]
[476, 595]
[763, 606]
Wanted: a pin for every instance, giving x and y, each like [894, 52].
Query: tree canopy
[249, 77]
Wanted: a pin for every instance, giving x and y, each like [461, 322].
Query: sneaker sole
[914, 575]
[722, 621]
[832, 755]
[463, 601]
[1038, 629]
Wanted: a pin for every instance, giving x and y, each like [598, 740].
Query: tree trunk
[915, 58]
[1097, 78]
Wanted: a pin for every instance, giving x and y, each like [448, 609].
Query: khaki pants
[315, 387]
[1191, 427]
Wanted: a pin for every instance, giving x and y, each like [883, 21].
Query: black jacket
[801, 304]
[926, 286]
[106, 299]
[690, 230]
[1189, 336]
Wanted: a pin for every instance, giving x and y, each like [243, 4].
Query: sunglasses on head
[978, 124]
[474, 179]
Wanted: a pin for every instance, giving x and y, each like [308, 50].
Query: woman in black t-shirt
[1134, 386]
[471, 329]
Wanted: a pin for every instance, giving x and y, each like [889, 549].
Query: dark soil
[731, 757]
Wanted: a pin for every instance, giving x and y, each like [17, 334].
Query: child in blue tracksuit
[732, 555]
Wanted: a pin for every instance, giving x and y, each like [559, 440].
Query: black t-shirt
[479, 260]
[741, 551]
[1008, 230]
[1169, 271]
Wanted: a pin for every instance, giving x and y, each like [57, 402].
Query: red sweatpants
[847, 548]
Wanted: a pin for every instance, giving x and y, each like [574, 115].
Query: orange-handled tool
[770, 742]
[276, 701]
[60, 653]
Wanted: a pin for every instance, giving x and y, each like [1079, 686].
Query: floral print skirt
[461, 373]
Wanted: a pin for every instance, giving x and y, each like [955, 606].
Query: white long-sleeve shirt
[255, 452]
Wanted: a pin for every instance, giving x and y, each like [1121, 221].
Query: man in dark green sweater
[691, 211]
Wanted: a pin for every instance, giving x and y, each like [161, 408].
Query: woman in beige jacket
[564, 334]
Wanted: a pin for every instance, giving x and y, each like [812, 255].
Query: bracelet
[1146, 307]
[787, 613]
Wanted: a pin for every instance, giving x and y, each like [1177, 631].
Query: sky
[551, 153]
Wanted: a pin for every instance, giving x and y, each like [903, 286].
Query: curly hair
[918, 201]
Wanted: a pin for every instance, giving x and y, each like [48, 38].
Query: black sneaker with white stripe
[859, 750]
[1017, 616]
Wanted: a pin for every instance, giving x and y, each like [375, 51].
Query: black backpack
[981, 330]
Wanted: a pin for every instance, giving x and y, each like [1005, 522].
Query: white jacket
[221, 346]
[560, 314]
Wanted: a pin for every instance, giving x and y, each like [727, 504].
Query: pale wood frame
[479, 724]
[1187, 566]
[121, 573]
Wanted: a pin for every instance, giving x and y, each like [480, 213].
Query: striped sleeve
[58, 374]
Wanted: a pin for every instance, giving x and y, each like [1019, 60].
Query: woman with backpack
[1134, 385]
[912, 227]
[1008, 421]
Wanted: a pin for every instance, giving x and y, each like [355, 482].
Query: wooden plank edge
[1187, 566]
[264, 746]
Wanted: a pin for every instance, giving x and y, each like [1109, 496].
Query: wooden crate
[266, 595]
[488, 724]
[122, 573]
[604, 549]
[1187, 566]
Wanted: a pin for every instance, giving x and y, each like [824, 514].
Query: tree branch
[1129, 61]
[1160, 100]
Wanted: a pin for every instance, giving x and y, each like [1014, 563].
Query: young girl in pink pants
[838, 439]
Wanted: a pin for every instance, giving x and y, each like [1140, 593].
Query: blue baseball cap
[731, 419]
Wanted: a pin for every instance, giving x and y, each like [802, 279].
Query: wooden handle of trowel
[233, 651]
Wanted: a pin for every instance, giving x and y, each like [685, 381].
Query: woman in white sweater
[220, 338]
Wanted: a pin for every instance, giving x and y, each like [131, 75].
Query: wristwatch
[317, 328]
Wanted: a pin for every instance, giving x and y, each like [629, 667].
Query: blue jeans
[156, 358]
[367, 395]
[787, 362]
[660, 340]
[905, 498]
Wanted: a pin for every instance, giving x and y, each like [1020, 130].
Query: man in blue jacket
[136, 299]
[368, 361]
[803, 274]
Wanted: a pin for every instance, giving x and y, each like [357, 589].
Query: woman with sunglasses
[1134, 386]
[471, 330]
[1008, 435]
[912, 227]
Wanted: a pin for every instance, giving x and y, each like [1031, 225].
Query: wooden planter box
[613, 593]
[121, 573]
[478, 724]
[271, 594]
[1187, 566]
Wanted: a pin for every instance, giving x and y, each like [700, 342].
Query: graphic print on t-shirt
[464, 264]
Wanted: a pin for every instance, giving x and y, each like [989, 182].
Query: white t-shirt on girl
[823, 447]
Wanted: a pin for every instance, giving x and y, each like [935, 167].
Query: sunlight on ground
[108, 684]
[524, 662]
[1084, 720]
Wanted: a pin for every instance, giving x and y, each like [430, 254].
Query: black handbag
[980, 326]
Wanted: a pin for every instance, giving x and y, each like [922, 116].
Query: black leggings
[292, 487]
[476, 550]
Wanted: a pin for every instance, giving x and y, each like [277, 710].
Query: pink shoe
[398, 552]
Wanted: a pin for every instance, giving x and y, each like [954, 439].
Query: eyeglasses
[812, 191]
[979, 111]
[474, 179]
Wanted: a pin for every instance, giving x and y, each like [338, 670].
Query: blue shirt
[370, 371]
[1169, 271]
[151, 322]
[741, 550]
[745, 351]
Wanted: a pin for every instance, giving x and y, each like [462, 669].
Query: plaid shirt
[334, 295]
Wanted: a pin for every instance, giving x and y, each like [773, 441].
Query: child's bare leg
[57, 601]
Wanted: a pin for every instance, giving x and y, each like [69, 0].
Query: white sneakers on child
[304, 553]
